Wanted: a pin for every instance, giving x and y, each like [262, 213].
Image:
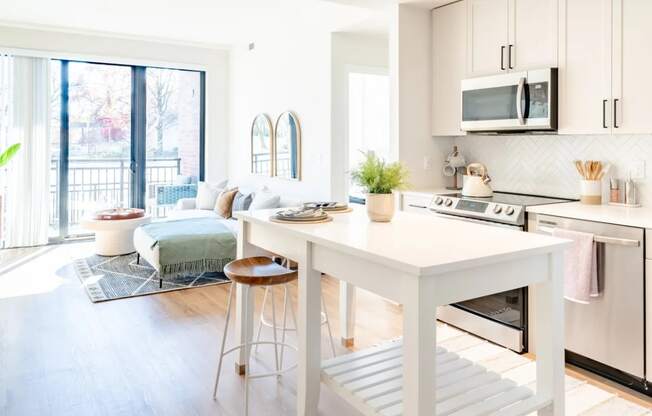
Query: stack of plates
[327, 206]
[301, 215]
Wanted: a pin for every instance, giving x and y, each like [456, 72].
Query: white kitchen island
[420, 262]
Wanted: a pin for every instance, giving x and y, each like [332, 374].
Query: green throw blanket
[194, 245]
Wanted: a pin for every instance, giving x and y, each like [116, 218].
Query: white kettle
[476, 181]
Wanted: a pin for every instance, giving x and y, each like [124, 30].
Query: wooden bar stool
[255, 271]
[262, 321]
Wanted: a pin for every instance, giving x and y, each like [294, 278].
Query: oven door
[500, 318]
[517, 101]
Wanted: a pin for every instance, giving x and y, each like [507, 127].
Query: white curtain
[28, 174]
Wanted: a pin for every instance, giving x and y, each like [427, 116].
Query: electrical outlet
[637, 169]
[427, 163]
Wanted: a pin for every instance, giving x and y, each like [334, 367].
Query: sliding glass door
[118, 133]
[173, 113]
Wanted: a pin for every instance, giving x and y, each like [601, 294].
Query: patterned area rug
[109, 278]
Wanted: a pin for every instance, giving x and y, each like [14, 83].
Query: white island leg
[347, 313]
[244, 296]
[419, 349]
[549, 337]
[309, 333]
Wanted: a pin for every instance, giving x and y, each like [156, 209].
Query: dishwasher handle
[600, 238]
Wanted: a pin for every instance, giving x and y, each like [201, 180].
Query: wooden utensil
[590, 170]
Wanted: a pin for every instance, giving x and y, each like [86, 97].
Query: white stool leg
[274, 330]
[285, 312]
[328, 324]
[224, 334]
[260, 321]
[247, 345]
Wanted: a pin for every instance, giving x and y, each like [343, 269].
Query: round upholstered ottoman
[114, 230]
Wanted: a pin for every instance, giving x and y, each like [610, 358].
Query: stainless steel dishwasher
[608, 334]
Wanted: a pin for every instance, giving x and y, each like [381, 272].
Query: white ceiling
[214, 22]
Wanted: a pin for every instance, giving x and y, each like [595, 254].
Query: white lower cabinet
[648, 303]
[648, 317]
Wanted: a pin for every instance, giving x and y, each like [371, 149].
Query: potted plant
[380, 179]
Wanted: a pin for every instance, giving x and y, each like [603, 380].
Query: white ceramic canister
[591, 192]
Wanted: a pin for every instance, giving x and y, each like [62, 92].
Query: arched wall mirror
[261, 146]
[287, 146]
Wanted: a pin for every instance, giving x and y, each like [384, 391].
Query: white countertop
[633, 217]
[416, 244]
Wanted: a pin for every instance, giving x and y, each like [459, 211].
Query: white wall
[410, 57]
[87, 46]
[543, 164]
[289, 69]
[349, 52]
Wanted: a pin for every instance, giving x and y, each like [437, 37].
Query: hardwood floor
[60, 354]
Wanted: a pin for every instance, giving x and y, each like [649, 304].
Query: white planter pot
[380, 207]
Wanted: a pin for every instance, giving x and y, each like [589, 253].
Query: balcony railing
[105, 181]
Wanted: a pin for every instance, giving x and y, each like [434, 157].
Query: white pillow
[264, 200]
[207, 194]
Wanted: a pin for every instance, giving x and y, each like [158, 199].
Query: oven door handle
[600, 238]
[519, 96]
[474, 220]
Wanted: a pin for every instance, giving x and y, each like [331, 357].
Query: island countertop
[417, 244]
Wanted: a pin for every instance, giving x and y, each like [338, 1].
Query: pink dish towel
[580, 266]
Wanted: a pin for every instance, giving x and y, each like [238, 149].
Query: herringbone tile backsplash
[543, 164]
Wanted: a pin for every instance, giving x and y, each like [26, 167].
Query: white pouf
[114, 237]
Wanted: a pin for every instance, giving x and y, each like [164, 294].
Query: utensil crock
[591, 192]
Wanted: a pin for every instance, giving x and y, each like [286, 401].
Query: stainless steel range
[501, 318]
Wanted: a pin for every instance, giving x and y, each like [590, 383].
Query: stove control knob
[498, 209]
[448, 202]
[509, 210]
[439, 200]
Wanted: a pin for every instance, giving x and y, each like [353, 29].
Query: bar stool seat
[251, 272]
[259, 271]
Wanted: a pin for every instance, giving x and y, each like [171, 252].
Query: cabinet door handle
[502, 57]
[417, 206]
[615, 112]
[509, 57]
[604, 114]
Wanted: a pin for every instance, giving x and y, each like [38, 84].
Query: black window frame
[138, 136]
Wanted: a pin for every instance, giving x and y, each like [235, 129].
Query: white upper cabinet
[449, 65]
[585, 67]
[488, 36]
[631, 63]
[604, 64]
[533, 34]
[505, 35]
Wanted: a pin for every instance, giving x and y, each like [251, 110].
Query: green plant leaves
[377, 177]
[6, 156]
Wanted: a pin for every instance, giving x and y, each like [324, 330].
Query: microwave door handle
[519, 97]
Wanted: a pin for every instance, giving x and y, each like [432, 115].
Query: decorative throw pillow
[241, 202]
[207, 194]
[265, 200]
[224, 203]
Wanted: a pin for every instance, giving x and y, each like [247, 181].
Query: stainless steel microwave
[516, 101]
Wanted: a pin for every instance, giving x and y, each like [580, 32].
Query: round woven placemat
[280, 221]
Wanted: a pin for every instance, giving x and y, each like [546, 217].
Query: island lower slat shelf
[371, 381]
